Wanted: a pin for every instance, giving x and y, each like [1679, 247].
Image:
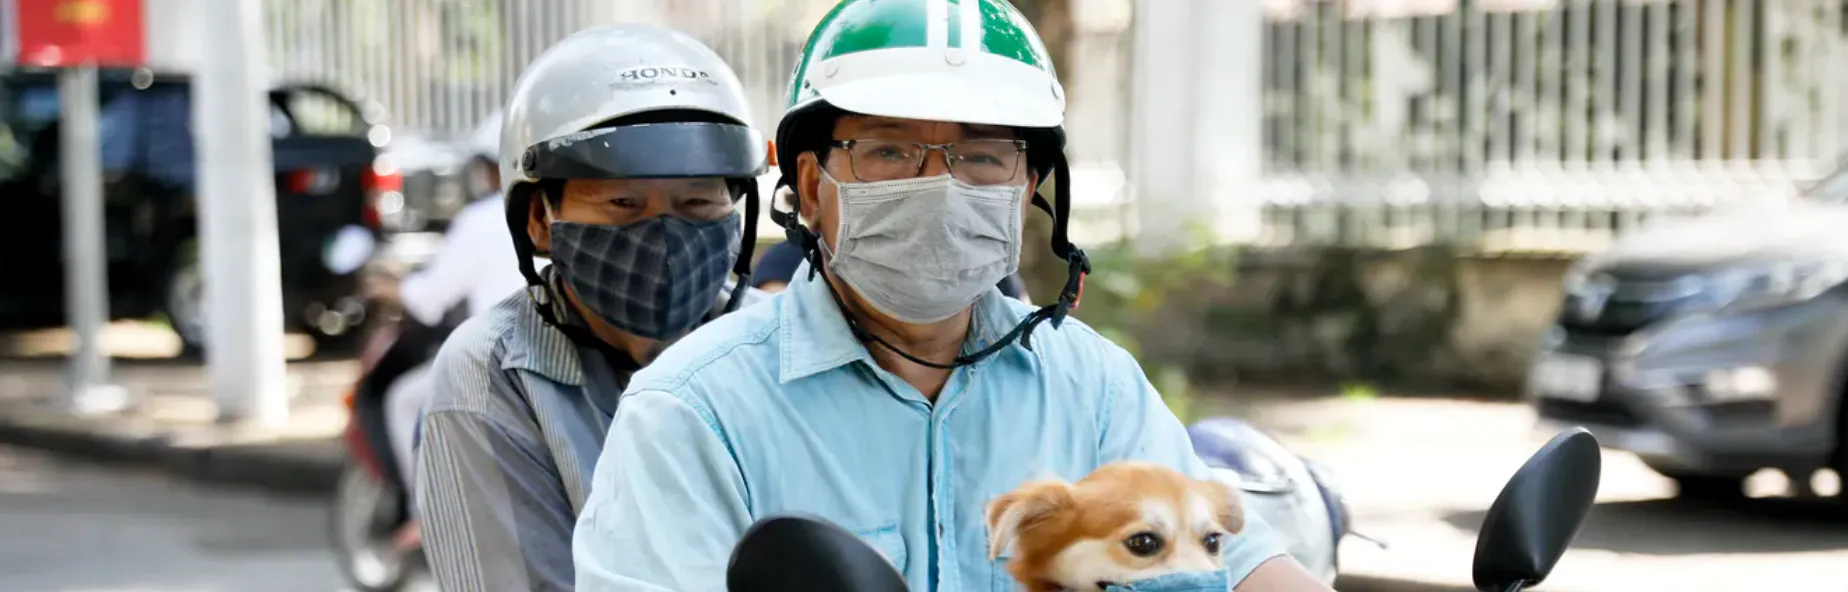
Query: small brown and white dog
[1125, 522]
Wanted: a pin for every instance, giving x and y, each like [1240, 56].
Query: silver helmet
[627, 101]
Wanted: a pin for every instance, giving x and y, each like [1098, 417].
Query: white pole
[86, 267]
[1232, 94]
[237, 227]
[1163, 129]
[1195, 120]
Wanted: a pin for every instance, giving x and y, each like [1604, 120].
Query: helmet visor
[654, 150]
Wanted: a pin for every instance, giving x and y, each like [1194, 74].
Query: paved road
[1421, 473]
[79, 528]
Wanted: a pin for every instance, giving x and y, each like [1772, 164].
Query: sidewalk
[172, 425]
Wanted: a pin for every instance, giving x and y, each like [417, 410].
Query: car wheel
[184, 299]
[1696, 486]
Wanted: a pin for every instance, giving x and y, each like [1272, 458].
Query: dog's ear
[1228, 504]
[1021, 509]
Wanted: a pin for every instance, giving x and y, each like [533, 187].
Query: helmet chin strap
[1077, 267]
[749, 245]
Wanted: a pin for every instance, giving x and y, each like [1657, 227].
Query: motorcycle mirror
[801, 552]
[1539, 511]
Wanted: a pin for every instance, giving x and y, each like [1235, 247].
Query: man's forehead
[600, 186]
[863, 124]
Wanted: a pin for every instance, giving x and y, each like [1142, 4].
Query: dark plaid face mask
[656, 278]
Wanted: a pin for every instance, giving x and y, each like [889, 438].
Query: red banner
[71, 32]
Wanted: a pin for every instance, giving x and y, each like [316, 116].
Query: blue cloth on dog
[1191, 581]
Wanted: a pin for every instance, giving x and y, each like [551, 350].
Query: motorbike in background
[371, 526]
[1295, 495]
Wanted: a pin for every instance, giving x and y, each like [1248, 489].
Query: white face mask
[921, 250]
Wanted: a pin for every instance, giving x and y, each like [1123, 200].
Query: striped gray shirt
[506, 447]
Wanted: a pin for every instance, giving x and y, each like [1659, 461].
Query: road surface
[1419, 474]
[67, 527]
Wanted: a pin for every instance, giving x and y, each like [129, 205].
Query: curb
[300, 468]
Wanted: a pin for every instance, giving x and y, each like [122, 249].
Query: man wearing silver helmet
[623, 157]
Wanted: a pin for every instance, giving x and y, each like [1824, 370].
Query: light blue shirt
[778, 408]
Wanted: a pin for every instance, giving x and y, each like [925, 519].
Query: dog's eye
[1212, 542]
[1143, 544]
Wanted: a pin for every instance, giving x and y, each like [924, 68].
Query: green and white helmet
[968, 61]
[965, 61]
[971, 61]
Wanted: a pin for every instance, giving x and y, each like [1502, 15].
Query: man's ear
[808, 186]
[1228, 505]
[538, 227]
[1021, 510]
[1035, 187]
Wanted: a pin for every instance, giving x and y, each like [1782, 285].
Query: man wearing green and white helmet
[892, 389]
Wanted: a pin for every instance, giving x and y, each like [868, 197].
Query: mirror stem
[1516, 587]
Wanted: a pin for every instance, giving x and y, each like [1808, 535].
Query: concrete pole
[86, 259]
[1195, 118]
[1232, 151]
[1164, 99]
[237, 225]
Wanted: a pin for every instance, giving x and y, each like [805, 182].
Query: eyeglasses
[976, 162]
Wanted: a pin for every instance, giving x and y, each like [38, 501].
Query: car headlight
[1775, 284]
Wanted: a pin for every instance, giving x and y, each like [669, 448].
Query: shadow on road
[1363, 583]
[1680, 527]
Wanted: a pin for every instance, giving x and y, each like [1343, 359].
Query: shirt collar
[543, 348]
[816, 337]
[548, 351]
[538, 347]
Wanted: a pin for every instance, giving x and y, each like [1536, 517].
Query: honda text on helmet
[569, 118]
[984, 66]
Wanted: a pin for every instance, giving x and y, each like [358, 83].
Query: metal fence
[436, 67]
[439, 66]
[1539, 125]
[1527, 125]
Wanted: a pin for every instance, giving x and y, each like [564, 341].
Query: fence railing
[437, 67]
[1537, 125]
[1547, 125]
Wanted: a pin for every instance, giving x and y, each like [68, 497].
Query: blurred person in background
[624, 154]
[896, 392]
[475, 268]
[781, 261]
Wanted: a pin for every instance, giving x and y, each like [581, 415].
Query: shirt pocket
[888, 541]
